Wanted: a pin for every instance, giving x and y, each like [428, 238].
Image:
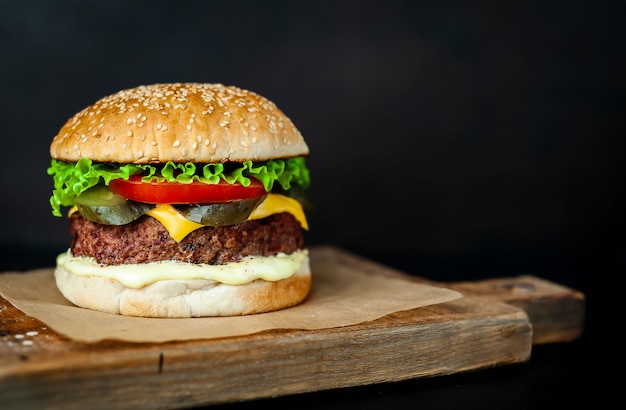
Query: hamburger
[183, 200]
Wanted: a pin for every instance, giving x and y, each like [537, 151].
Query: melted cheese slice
[178, 226]
[276, 203]
[270, 268]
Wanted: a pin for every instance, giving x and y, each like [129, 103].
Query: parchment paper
[341, 295]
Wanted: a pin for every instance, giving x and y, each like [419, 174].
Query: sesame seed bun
[180, 122]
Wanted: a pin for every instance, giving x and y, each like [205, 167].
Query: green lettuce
[73, 178]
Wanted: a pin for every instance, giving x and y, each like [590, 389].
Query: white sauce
[272, 268]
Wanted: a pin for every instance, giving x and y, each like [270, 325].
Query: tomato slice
[177, 193]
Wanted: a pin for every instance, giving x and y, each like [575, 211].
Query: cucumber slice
[118, 214]
[220, 214]
[99, 195]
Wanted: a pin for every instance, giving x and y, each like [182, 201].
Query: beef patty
[146, 240]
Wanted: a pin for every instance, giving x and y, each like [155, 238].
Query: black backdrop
[454, 140]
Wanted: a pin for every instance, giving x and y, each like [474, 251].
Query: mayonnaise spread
[271, 268]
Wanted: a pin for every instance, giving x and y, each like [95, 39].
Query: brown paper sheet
[341, 295]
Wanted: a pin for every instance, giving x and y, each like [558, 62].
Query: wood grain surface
[494, 324]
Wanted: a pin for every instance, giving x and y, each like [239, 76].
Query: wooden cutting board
[494, 324]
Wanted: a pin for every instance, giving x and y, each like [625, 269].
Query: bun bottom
[174, 298]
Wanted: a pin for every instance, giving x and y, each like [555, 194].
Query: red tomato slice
[177, 193]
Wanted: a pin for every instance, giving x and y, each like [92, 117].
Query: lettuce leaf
[73, 178]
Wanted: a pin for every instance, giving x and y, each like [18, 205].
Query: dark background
[452, 140]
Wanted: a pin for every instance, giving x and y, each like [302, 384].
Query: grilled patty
[146, 240]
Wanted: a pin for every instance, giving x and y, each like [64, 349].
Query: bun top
[180, 122]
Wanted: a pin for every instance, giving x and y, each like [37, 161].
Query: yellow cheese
[178, 226]
[276, 203]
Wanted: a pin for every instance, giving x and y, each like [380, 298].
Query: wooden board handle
[557, 313]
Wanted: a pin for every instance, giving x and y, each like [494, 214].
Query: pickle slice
[99, 195]
[220, 214]
[118, 214]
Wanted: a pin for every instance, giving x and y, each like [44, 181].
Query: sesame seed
[176, 143]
